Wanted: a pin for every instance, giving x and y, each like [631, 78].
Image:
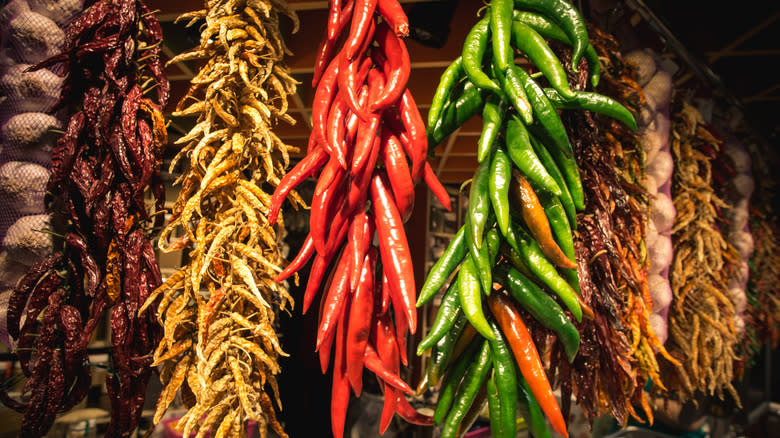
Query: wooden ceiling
[455, 157]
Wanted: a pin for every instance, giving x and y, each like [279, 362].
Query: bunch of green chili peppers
[517, 238]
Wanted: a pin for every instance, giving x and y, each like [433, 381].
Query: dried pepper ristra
[102, 169]
[702, 316]
[368, 144]
[220, 347]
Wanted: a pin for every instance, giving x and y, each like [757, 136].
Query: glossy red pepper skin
[436, 186]
[304, 255]
[328, 45]
[415, 128]
[315, 159]
[333, 304]
[375, 364]
[327, 196]
[362, 19]
[339, 398]
[394, 248]
[323, 97]
[335, 131]
[398, 174]
[392, 12]
[398, 69]
[387, 349]
[359, 325]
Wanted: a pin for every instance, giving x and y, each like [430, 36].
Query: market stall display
[219, 347]
[102, 167]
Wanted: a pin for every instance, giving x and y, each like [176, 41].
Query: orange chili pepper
[537, 222]
[527, 357]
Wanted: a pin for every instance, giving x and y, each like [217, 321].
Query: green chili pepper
[516, 261]
[506, 381]
[559, 223]
[536, 49]
[546, 115]
[555, 173]
[524, 157]
[447, 314]
[474, 47]
[548, 29]
[543, 308]
[598, 103]
[498, 186]
[566, 164]
[472, 382]
[563, 13]
[452, 379]
[479, 202]
[442, 350]
[444, 267]
[501, 32]
[543, 270]
[470, 293]
[494, 408]
[530, 410]
[515, 91]
[494, 242]
[481, 259]
[452, 74]
[492, 121]
[468, 102]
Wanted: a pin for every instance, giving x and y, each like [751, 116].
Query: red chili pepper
[385, 294]
[335, 130]
[387, 349]
[527, 357]
[323, 97]
[392, 12]
[361, 231]
[304, 254]
[400, 326]
[398, 174]
[394, 248]
[333, 303]
[349, 81]
[339, 398]
[358, 190]
[415, 127]
[436, 187]
[352, 119]
[362, 19]
[327, 45]
[334, 17]
[398, 69]
[360, 321]
[373, 363]
[408, 413]
[315, 159]
[326, 193]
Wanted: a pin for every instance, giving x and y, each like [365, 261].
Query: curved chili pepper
[471, 384]
[501, 32]
[401, 326]
[468, 102]
[542, 269]
[474, 47]
[565, 197]
[339, 397]
[479, 202]
[494, 408]
[498, 187]
[323, 97]
[334, 18]
[393, 248]
[442, 352]
[531, 411]
[362, 20]
[522, 154]
[327, 45]
[515, 92]
[535, 219]
[304, 254]
[399, 67]
[315, 159]
[374, 364]
[367, 130]
[411, 415]
[561, 229]
[335, 130]
[451, 381]
[349, 81]
[361, 232]
[598, 103]
[392, 12]
[387, 349]
[505, 381]
[415, 128]
[568, 18]
[527, 357]
[359, 322]
[536, 49]
[398, 174]
[548, 29]
[446, 315]
[358, 190]
[436, 187]
[333, 303]
[481, 259]
[469, 291]
[492, 122]
[545, 114]
[544, 309]
[327, 194]
[566, 163]
[451, 76]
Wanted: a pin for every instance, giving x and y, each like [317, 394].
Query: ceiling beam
[742, 38]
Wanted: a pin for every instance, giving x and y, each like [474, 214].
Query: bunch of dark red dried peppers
[365, 125]
[103, 169]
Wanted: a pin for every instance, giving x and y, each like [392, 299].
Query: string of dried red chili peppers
[102, 168]
[365, 125]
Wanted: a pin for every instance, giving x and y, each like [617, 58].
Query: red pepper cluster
[101, 169]
[365, 127]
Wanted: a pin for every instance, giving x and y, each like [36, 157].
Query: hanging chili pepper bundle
[368, 145]
[102, 168]
[702, 316]
[522, 207]
[220, 347]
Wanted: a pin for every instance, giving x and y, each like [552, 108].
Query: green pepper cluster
[508, 74]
